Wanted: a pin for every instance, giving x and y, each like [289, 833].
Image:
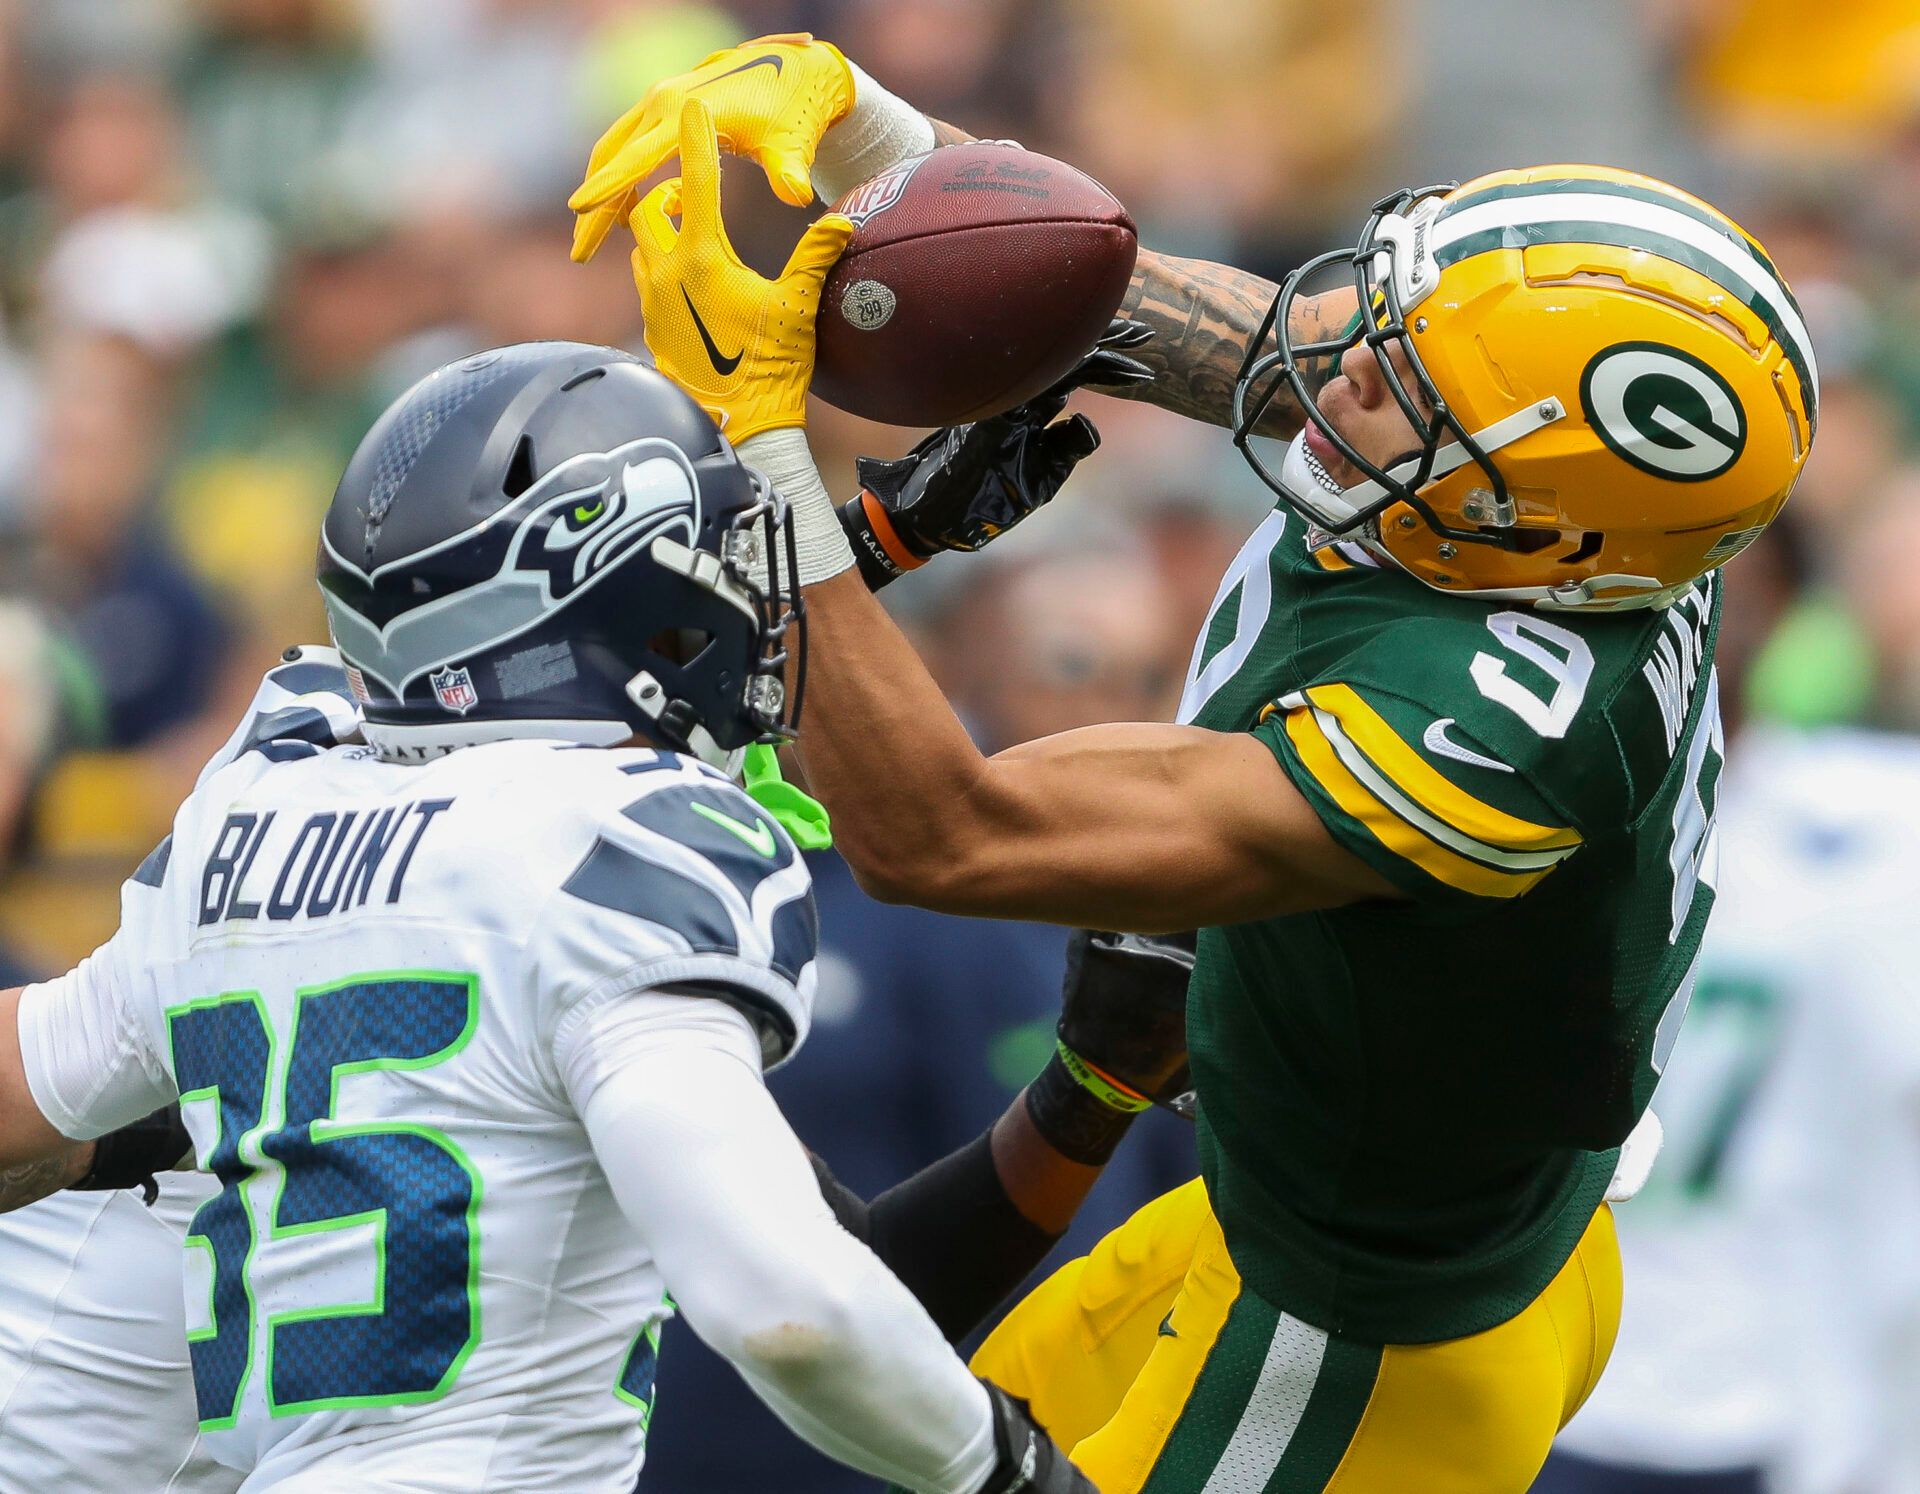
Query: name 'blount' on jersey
[357, 974]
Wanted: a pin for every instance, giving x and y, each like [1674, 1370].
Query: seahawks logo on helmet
[1665, 412]
[580, 531]
[558, 539]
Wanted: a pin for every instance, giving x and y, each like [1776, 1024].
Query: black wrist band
[1072, 1119]
[870, 556]
[131, 1156]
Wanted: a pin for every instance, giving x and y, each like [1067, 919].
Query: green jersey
[1410, 1109]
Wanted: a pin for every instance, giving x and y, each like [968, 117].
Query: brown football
[977, 276]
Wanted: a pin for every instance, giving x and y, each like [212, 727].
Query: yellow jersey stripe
[1319, 758]
[1330, 559]
[1426, 785]
[1387, 792]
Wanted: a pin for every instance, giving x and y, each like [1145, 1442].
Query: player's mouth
[1330, 469]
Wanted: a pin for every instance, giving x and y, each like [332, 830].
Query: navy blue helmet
[551, 540]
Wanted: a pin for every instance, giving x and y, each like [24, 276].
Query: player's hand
[740, 344]
[1030, 1462]
[772, 100]
[1125, 1019]
[968, 484]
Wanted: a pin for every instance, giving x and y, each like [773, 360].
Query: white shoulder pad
[689, 883]
[303, 706]
[304, 702]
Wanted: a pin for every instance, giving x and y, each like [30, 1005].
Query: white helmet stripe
[1575, 208]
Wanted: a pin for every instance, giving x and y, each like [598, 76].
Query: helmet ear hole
[680, 645]
[520, 470]
[1588, 547]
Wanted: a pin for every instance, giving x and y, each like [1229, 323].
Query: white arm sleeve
[86, 1064]
[879, 132]
[710, 1175]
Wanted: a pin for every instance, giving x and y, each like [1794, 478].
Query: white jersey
[356, 976]
[96, 1385]
[1770, 1263]
[96, 1389]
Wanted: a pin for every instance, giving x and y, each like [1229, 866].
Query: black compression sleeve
[848, 1207]
[129, 1157]
[950, 1233]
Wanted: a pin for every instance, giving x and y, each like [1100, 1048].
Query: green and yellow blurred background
[232, 230]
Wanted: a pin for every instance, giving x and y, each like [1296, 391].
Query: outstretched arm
[1142, 827]
[1204, 316]
[714, 1183]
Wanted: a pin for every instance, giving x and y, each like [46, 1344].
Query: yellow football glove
[740, 344]
[773, 99]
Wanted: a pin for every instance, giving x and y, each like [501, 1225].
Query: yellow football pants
[1163, 1375]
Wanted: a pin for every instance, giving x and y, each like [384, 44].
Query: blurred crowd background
[232, 230]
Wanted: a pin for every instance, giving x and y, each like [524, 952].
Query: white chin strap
[1636, 593]
[1339, 510]
[1338, 513]
[651, 697]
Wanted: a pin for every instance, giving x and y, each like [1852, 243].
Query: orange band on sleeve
[881, 523]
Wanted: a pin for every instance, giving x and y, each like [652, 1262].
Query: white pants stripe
[1279, 1399]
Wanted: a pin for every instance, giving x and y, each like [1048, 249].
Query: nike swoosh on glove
[739, 343]
[772, 100]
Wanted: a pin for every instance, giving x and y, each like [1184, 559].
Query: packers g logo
[1664, 411]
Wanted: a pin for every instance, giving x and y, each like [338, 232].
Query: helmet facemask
[1376, 286]
[756, 572]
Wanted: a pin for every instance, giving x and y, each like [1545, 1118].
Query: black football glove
[968, 484]
[1126, 1012]
[1030, 1461]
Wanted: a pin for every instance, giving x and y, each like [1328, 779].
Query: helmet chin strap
[650, 696]
[1637, 592]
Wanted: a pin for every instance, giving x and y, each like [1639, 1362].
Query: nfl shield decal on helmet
[454, 690]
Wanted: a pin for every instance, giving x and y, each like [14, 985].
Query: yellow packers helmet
[1613, 388]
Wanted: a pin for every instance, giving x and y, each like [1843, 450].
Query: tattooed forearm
[1203, 315]
[32, 1181]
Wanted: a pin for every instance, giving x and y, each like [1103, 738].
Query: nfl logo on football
[454, 689]
[870, 199]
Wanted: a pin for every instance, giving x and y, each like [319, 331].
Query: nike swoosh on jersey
[721, 365]
[759, 835]
[1395, 792]
[1436, 740]
[771, 60]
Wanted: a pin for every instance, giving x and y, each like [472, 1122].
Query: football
[977, 276]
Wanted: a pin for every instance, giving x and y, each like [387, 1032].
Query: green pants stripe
[1273, 1411]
